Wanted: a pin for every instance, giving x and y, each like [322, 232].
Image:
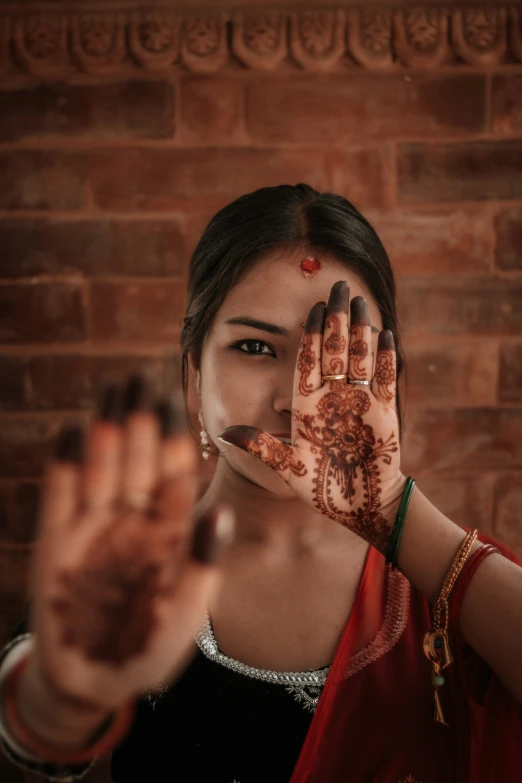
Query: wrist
[390, 505]
[51, 716]
[56, 731]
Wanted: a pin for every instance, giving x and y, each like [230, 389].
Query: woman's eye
[254, 347]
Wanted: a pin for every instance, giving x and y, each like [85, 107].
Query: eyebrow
[265, 326]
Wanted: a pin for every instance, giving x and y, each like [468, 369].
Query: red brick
[14, 571]
[162, 178]
[462, 374]
[26, 442]
[37, 179]
[74, 381]
[137, 311]
[19, 511]
[10, 618]
[510, 374]
[42, 313]
[466, 499]
[12, 382]
[471, 171]
[92, 247]
[122, 110]
[476, 439]
[508, 230]
[329, 109]
[435, 242]
[506, 103]
[363, 176]
[485, 305]
[508, 507]
[196, 223]
[211, 109]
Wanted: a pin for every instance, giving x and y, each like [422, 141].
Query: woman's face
[249, 355]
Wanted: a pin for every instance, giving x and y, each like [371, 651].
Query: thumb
[273, 452]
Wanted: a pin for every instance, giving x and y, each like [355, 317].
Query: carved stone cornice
[55, 43]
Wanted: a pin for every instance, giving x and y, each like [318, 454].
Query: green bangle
[393, 545]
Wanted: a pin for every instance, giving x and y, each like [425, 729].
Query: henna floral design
[278, 455]
[349, 453]
[358, 352]
[106, 605]
[306, 362]
[343, 436]
[335, 343]
[385, 375]
[272, 451]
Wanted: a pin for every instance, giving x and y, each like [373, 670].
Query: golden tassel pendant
[438, 715]
[437, 680]
[446, 656]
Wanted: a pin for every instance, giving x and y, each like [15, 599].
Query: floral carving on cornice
[56, 44]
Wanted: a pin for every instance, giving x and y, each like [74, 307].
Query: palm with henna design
[121, 577]
[344, 459]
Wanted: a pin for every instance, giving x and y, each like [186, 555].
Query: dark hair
[286, 216]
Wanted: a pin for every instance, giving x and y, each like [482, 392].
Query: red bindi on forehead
[310, 265]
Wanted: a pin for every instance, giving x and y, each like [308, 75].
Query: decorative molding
[56, 44]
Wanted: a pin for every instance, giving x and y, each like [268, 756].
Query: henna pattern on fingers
[335, 344]
[106, 606]
[357, 353]
[385, 372]
[347, 451]
[306, 362]
[278, 455]
[273, 452]
[385, 375]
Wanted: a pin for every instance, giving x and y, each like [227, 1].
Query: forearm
[491, 612]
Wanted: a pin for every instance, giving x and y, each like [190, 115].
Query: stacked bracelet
[436, 641]
[104, 739]
[395, 538]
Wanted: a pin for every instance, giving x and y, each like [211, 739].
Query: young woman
[311, 660]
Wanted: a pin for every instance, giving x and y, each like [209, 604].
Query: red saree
[374, 719]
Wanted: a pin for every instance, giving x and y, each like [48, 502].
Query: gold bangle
[436, 642]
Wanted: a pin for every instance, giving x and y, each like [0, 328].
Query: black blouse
[221, 722]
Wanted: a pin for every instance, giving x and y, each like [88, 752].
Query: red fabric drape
[374, 719]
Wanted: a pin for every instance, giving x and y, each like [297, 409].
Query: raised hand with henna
[121, 576]
[344, 459]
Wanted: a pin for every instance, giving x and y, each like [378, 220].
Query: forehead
[276, 286]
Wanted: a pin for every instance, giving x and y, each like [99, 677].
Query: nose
[283, 404]
[283, 393]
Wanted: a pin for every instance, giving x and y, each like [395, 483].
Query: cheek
[234, 393]
[229, 392]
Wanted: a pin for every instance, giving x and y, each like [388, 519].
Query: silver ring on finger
[361, 383]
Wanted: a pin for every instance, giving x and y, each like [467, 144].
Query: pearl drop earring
[205, 440]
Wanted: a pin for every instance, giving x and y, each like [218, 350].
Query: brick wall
[106, 184]
[107, 181]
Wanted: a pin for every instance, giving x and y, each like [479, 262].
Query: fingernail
[385, 341]
[136, 396]
[212, 533]
[171, 418]
[315, 321]
[239, 435]
[110, 407]
[70, 444]
[359, 313]
[339, 298]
